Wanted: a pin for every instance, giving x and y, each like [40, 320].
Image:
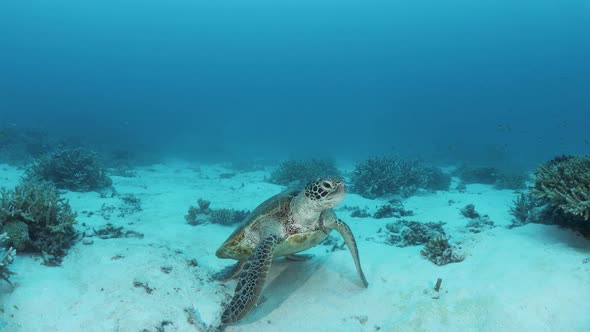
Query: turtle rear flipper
[251, 281]
[342, 228]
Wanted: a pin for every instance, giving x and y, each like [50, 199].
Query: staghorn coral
[18, 233]
[381, 176]
[72, 169]
[299, 172]
[49, 219]
[521, 209]
[7, 259]
[564, 182]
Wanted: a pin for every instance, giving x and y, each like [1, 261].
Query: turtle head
[325, 193]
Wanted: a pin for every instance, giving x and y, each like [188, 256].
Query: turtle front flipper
[251, 281]
[342, 228]
[229, 272]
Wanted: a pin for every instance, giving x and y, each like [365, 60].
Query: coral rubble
[203, 214]
[440, 252]
[403, 233]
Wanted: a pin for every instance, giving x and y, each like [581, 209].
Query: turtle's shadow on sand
[292, 275]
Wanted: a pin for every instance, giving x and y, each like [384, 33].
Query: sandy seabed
[531, 278]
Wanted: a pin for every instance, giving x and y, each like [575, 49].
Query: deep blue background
[477, 81]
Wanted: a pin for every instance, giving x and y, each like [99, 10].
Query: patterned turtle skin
[283, 225]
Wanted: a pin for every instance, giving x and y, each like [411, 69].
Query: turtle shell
[270, 218]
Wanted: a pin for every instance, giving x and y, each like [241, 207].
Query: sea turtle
[287, 223]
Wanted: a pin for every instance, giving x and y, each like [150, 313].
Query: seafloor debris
[204, 214]
[111, 232]
[440, 252]
[403, 233]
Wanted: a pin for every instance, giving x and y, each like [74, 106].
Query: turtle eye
[327, 185]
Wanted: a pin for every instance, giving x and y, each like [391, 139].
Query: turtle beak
[337, 195]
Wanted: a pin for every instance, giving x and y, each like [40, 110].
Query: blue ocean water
[497, 86]
[485, 81]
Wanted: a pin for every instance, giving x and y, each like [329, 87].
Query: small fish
[586, 141]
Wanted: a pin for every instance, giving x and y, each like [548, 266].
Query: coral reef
[469, 211]
[560, 196]
[470, 174]
[227, 216]
[527, 208]
[394, 209]
[203, 205]
[521, 208]
[300, 172]
[477, 222]
[7, 259]
[18, 233]
[510, 180]
[381, 176]
[440, 252]
[36, 218]
[357, 212]
[72, 169]
[203, 214]
[403, 233]
[480, 224]
[192, 216]
[564, 182]
[19, 146]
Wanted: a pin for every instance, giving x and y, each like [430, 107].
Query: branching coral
[35, 217]
[380, 176]
[73, 169]
[6, 258]
[521, 208]
[302, 171]
[565, 183]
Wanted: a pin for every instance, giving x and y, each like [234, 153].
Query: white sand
[530, 278]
